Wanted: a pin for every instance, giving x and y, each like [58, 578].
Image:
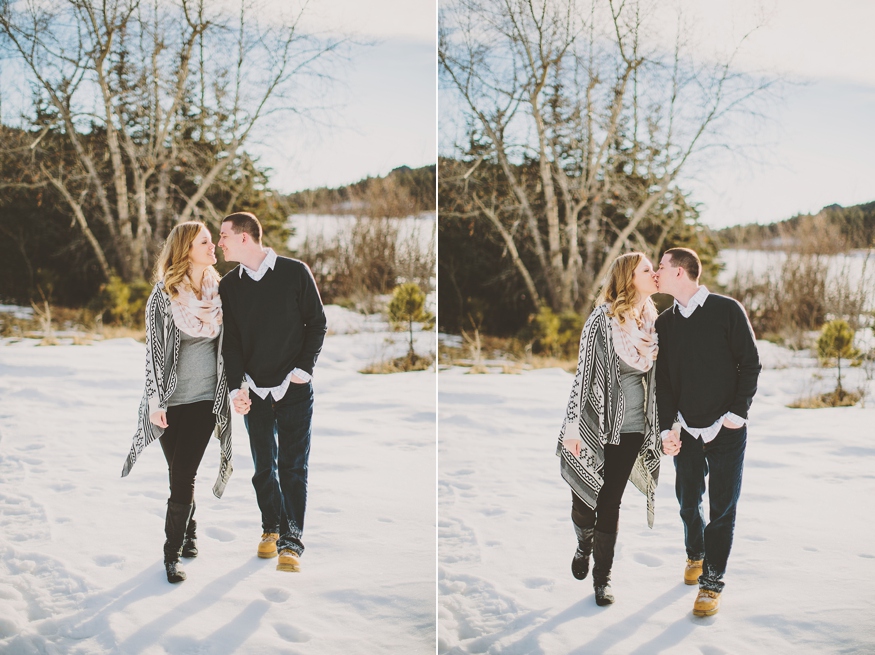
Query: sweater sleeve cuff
[154, 405]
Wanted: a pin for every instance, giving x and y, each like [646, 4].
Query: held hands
[729, 424]
[572, 445]
[671, 443]
[159, 418]
[296, 380]
[241, 401]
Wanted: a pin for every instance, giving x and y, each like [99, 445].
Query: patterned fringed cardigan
[595, 412]
[162, 353]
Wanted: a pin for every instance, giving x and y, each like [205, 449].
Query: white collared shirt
[278, 392]
[708, 433]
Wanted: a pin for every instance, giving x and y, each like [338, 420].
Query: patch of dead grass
[500, 355]
[837, 398]
[400, 365]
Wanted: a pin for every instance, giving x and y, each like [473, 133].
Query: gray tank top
[196, 376]
[632, 384]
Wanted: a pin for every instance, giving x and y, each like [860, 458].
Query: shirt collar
[268, 263]
[697, 300]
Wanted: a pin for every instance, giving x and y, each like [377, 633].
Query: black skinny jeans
[619, 461]
[184, 442]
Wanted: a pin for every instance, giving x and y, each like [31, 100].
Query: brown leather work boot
[288, 561]
[707, 603]
[267, 547]
[692, 571]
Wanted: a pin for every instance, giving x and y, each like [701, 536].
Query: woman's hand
[159, 418]
[241, 401]
[671, 443]
[572, 446]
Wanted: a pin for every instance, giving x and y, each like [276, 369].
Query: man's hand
[296, 380]
[159, 418]
[729, 424]
[573, 446]
[671, 443]
[241, 402]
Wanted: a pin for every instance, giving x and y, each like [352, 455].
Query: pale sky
[816, 146]
[384, 112]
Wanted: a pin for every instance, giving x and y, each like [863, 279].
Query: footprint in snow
[647, 560]
[538, 583]
[275, 595]
[291, 633]
[220, 534]
[108, 560]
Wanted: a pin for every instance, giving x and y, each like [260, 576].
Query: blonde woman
[611, 433]
[186, 395]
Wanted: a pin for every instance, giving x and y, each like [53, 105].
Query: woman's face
[203, 252]
[645, 278]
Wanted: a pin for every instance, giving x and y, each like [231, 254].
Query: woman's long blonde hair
[173, 263]
[620, 293]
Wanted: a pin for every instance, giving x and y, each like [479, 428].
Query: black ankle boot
[603, 560]
[175, 524]
[189, 545]
[580, 563]
[174, 571]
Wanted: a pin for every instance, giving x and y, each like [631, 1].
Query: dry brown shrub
[837, 398]
[400, 365]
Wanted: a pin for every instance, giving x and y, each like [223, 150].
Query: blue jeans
[279, 438]
[722, 460]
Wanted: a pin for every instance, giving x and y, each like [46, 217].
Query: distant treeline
[403, 192]
[45, 253]
[833, 229]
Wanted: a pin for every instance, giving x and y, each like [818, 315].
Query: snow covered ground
[326, 228]
[801, 575]
[81, 548]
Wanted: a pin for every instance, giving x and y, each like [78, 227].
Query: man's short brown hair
[245, 222]
[686, 259]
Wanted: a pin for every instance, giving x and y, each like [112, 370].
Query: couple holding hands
[679, 383]
[249, 340]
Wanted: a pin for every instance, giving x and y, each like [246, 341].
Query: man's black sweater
[707, 365]
[272, 326]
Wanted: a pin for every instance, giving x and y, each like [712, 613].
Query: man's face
[231, 243]
[667, 275]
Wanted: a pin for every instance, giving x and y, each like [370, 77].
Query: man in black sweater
[706, 378]
[274, 329]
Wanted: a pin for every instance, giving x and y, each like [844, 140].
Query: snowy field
[325, 228]
[801, 576]
[855, 268]
[81, 548]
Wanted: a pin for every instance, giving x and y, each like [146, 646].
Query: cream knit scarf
[198, 317]
[636, 344]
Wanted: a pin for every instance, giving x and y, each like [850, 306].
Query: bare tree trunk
[83, 224]
[514, 253]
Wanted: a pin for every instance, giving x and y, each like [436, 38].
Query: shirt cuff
[233, 393]
[735, 418]
[302, 374]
